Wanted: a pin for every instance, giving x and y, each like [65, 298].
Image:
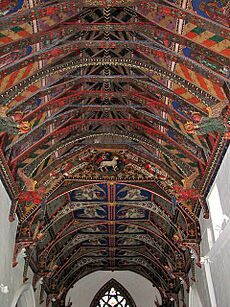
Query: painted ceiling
[114, 118]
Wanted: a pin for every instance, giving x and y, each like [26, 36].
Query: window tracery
[112, 294]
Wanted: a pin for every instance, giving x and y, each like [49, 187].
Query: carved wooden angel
[202, 125]
[13, 124]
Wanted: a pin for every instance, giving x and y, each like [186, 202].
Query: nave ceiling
[114, 118]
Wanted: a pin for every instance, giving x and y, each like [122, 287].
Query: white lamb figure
[105, 164]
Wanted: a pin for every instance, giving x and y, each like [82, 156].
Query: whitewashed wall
[12, 277]
[138, 287]
[219, 252]
[9, 276]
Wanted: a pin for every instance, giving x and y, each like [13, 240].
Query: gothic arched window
[113, 294]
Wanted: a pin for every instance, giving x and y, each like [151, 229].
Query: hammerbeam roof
[114, 119]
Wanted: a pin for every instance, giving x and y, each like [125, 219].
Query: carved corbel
[41, 298]
[203, 203]
[195, 250]
[25, 271]
[19, 246]
[184, 278]
[13, 209]
[35, 280]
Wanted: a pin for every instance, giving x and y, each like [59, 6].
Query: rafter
[125, 109]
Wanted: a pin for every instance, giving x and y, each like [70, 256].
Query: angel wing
[216, 110]
[96, 188]
[101, 209]
[36, 231]
[124, 189]
[188, 181]
[29, 182]
[3, 111]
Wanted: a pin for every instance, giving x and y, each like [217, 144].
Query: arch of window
[113, 294]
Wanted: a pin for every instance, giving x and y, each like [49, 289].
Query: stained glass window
[113, 294]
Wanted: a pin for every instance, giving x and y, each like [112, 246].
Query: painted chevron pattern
[200, 81]
[21, 74]
[15, 33]
[202, 36]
